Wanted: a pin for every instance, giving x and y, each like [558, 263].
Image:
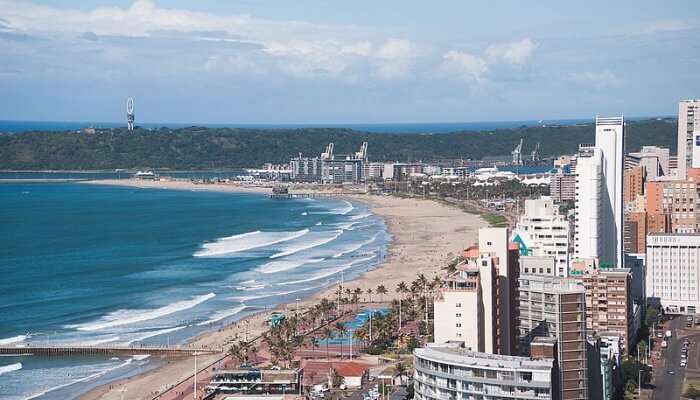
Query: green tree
[692, 393]
[381, 291]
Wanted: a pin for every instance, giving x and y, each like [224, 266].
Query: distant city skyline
[313, 62]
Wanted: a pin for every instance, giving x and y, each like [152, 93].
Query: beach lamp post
[194, 394]
[297, 309]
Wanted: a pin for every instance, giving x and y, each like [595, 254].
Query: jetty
[49, 351]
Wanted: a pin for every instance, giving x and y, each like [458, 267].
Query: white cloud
[671, 25]
[465, 66]
[597, 79]
[396, 59]
[516, 53]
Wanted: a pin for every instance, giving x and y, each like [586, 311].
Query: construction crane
[535, 156]
[518, 154]
[362, 154]
[328, 154]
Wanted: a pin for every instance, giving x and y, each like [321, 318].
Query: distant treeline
[223, 148]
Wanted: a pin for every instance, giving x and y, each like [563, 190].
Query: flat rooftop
[462, 356]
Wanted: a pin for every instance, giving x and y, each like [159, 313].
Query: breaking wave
[246, 241]
[306, 246]
[9, 368]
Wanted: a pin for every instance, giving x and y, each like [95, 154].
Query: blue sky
[314, 61]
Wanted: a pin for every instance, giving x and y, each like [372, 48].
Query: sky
[360, 61]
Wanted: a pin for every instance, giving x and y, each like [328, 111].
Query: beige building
[554, 307]
[475, 303]
[608, 298]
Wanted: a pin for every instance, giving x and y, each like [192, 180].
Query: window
[458, 305]
[459, 325]
[458, 315]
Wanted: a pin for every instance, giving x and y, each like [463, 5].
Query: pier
[104, 350]
[304, 195]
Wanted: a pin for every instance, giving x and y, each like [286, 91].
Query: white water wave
[329, 272]
[14, 339]
[356, 247]
[151, 334]
[127, 317]
[85, 379]
[283, 265]
[98, 341]
[10, 368]
[359, 217]
[307, 245]
[218, 316]
[246, 241]
[266, 295]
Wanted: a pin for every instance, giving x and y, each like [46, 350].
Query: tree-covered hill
[209, 148]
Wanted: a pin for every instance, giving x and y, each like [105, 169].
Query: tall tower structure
[588, 242]
[688, 129]
[610, 139]
[130, 114]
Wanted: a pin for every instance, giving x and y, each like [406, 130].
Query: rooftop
[462, 356]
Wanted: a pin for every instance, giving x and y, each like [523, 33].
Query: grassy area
[495, 220]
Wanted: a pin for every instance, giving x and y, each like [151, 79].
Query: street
[668, 386]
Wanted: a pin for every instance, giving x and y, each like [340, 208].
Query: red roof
[345, 369]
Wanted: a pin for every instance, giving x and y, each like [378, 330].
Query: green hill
[208, 148]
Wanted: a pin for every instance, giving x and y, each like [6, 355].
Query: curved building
[449, 372]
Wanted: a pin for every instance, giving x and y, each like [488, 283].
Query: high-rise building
[688, 130]
[655, 161]
[449, 372]
[609, 138]
[677, 199]
[634, 183]
[673, 271]
[588, 242]
[542, 231]
[474, 304]
[608, 298]
[562, 187]
[555, 307]
[635, 232]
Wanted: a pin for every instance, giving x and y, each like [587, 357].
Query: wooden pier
[304, 195]
[63, 351]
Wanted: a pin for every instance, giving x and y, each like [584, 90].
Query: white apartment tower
[610, 139]
[543, 232]
[599, 202]
[673, 271]
[588, 242]
[688, 132]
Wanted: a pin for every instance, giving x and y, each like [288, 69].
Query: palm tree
[369, 293]
[342, 331]
[400, 370]
[327, 334]
[381, 291]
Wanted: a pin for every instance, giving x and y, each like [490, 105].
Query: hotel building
[454, 373]
[554, 307]
[673, 271]
[588, 241]
[474, 304]
[543, 231]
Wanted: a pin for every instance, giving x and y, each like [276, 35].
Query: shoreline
[423, 233]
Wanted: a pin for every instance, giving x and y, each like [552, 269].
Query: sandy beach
[424, 233]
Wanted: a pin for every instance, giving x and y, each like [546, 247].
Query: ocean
[415, 128]
[92, 264]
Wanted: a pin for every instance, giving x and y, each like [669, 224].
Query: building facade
[688, 129]
[673, 271]
[588, 242]
[554, 307]
[608, 298]
[455, 373]
[562, 187]
[474, 305]
[542, 231]
[609, 137]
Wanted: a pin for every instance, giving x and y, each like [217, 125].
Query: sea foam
[286, 265]
[218, 316]
[127, 317]
[329, 272]
[9, 368]
[293, 249]
[14, 339]
[246, 241]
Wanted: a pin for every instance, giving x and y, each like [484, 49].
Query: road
[671, 386]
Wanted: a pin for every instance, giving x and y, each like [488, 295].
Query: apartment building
[679, 200]
[562, 187]
[542, 231]
[634, 183]
[449, 372]
[554, 307]
[673, 271]
[475, 303]
[688, 128]
[608, 298]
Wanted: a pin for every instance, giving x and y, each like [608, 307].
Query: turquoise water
[85, 264]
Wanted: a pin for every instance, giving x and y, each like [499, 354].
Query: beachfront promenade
[105, 350]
